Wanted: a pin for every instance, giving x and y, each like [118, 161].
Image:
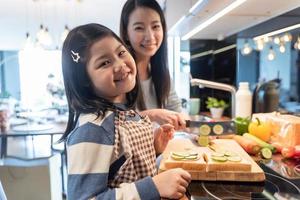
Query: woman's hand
[172, 183]
[163, 116]
[162, 135]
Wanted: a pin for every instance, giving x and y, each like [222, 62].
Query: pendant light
[247, 49]
[271, 54]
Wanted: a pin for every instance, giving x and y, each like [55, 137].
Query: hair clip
[75, 56]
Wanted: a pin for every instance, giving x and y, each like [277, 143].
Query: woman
[143, 29]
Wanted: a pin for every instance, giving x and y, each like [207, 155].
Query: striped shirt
[91, 163]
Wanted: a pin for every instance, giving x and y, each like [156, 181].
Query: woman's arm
[164, 116]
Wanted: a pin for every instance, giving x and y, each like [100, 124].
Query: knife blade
[212, 128]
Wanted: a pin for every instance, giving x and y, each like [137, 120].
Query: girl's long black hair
[79, 91]
[159, 64]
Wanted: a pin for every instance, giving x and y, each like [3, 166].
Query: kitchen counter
[282, 182]
[274, 187]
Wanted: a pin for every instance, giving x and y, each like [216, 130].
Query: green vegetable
[266, 153]
[203, 140]
[242, 124]
[215, 103]
[219, 158]
[260, 142]
[184, 156]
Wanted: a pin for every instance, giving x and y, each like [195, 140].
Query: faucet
[219, 86]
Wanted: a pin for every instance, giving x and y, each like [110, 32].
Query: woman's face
[145, 31]
[112, 69]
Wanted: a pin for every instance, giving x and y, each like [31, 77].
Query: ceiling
[248, 14]
[20, 16]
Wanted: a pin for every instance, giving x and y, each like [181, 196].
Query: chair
[2, 194]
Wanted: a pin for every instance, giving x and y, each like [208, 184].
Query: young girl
[111, 149]
[143, 29]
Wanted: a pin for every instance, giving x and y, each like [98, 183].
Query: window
[36, 67]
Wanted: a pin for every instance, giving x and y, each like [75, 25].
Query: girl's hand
[163, 116]
[172, 183]
[162, 135]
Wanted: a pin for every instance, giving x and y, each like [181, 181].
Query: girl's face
[112, 69]
[145, 31]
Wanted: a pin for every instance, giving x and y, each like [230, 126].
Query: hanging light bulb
[65, 33]
[40, 33]
[287, 37]
[246, 49]
[282, 47]
[267, 39]
[297, 44]
[259, 45]
[271, 54]
[276, 40]
[28, 42]
[44, 37]
[47, 38]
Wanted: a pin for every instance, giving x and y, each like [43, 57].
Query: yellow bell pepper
[260, 129]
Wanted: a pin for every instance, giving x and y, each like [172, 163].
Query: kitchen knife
[212, 128]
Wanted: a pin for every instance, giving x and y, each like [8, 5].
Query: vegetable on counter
[266, 153]
[260, 142]
[278, 146]
[242, 124]
[260, 129]
[291, 152]
[250, 146]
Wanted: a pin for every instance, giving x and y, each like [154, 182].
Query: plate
[17, 121]
[32, 127]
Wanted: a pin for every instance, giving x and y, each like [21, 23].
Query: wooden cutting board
[250, 172]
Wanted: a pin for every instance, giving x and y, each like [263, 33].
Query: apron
[136, 140]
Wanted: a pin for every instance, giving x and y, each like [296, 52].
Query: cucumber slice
[266, 153]
[203, 140]
[217, 154]
[184, 156]
[204, 129]
[192, 153]
[230, 154]
[191, 157]
[234, 158]
[218, 129]
[180, 154]
[219, 158]
[177, 157]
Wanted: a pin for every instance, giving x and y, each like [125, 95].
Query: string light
[297, 44]
[276, 40]
[65, 33]
[271, 54]
[287, 37]
[282, 47]
[246, 50]
[259, 45]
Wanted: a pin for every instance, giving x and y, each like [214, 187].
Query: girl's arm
[90, 154]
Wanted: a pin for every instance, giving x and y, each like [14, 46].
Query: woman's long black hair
[159, 64]
[79, 91]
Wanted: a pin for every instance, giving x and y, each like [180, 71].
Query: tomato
[288, 152]
[277, 146]
[260, 130]
[297, 151]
